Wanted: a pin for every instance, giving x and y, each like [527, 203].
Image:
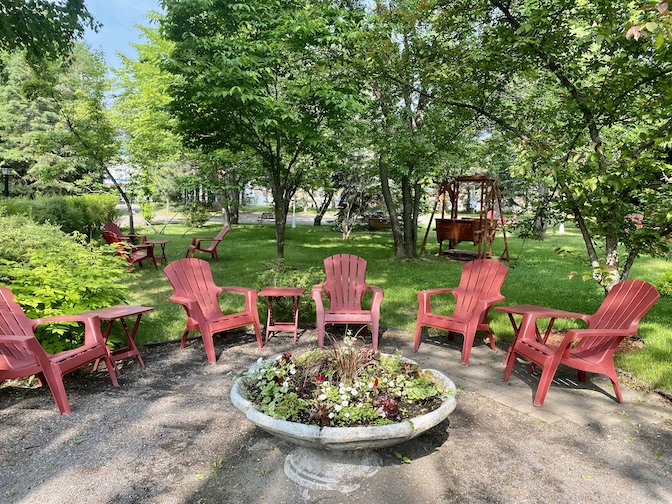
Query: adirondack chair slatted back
[12, 319]
[225, 229]
[622, 308]
[192, 278]
[480, 279]
[112, 227]
[345, 281]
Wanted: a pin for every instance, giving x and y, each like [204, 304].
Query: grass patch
[540, 272]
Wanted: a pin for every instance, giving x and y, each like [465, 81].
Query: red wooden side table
[162, 244]
[121, 312]
[273, 326]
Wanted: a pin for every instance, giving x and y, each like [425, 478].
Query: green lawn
[541, 272]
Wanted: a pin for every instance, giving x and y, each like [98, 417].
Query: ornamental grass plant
[344, 386]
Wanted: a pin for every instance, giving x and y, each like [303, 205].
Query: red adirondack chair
[130, 238]
[195, 289]
[199, 243]
[22, 355]
[479, 289]
[586, 350]
[132, 253]
[345, 286]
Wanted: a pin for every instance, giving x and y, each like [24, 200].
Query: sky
[119, 18]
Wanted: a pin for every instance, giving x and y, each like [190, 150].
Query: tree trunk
[389, 203]
[322, 208]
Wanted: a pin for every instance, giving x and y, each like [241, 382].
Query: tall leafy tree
[271, 77]
[152, 147]
[589, 106]
[45, 29]
[411, 131]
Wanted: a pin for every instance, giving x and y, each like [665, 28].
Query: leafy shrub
[278, 274]
[664, 284]
[51, 273]
[147, 210]
[195, 215]
[84, 214]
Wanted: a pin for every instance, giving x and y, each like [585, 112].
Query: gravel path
[169, 434]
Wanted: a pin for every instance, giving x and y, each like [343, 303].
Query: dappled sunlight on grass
[539, 273]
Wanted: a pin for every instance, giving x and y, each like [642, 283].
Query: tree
[266, 76]
[141, 112]
[45, 29]
[411, 131]
[589, 107]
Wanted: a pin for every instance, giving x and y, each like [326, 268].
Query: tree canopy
[46, 29]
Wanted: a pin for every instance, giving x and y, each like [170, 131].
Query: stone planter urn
[338, 458]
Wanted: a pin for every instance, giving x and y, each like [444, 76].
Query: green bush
[277, 274]
[147, 210]
[195, 215]
[84, 214]
[664, 284]
[51, 273]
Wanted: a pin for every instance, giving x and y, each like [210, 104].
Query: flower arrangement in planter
[344, 386]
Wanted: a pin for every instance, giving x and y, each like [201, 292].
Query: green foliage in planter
[51, 273]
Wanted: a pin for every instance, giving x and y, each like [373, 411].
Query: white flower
[391, 384]
[353, 392]
[285, 383]
[331, 415]
[347, 415]
[292, 370]
[345, 402]
[322, 397]
[337, 407]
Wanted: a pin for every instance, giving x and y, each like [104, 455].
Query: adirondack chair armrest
[188, 303]
[197, 240]
[231, 288]
[316, 294]
[250, 294]
[142, 238]
[378, 295]
[597, 333]
[424, 297]
[92, 332]
[432, 292]
[489, 301]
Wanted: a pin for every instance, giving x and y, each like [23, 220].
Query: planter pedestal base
[321, 469]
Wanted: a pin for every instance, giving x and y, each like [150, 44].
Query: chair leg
[320, 334]
[547, 374]
[209, 344]
[509, 366]
[257, 329]
[491, 338]
[418, 333]
[112, 369]
[374, 337]
[54, 380]
[184, 339]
